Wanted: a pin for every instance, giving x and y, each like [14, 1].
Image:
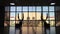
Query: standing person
[46, 26]
[19, 26]
[20, 23]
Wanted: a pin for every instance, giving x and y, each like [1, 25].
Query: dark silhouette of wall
[57, 17]
[1, 19]
[57, 14]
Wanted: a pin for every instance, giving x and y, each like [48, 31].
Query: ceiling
[30, 2]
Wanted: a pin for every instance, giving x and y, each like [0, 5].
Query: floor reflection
[52, 30]
[13, 30]
[47, 31]
[17, 31]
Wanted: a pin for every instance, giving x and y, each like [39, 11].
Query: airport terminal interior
[32, 22]
[23, 17]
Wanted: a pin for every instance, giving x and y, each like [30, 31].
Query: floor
[29, 30]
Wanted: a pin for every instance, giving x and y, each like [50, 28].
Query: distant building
[33, 18]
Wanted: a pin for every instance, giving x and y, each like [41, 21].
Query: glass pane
[45, 15]
[31, 15]
[30, 8]
[38, 16]
[52, 15]
[18, 15]
[39, 23]
[52, 23]
[19, 8]
[25, 15]
[24, 23]
[45, 8]
[33, 8]
[38, 8]
[12, 23]
[7, 16]
[12, 15]
[51, 8]
[25, 8]
[12, 8]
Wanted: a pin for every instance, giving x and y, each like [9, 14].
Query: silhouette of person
[46, 26]
[19, 26]
[20, 23]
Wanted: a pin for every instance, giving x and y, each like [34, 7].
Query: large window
[32, 14]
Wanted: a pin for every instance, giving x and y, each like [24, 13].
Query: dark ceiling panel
[26, 2]
[30, 2]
